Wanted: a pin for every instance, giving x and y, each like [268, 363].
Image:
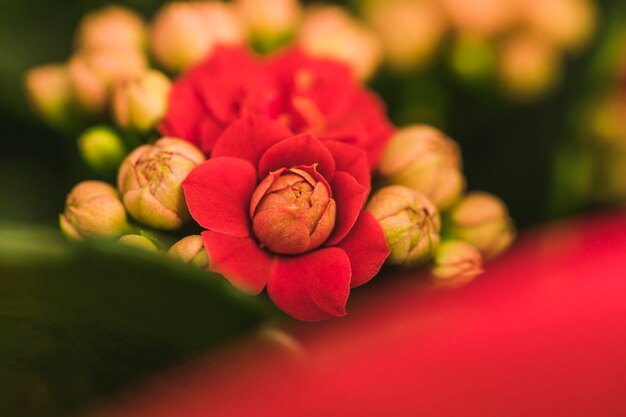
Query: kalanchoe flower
[102, 149]
[111, 27]
[482, 220]
[456, 263]
[423, 159]
[93, 210]
[140, 103]
[49, 92]
[184, 33]
[150, 180]
[285, 212]
[411, 224]
[138, 241]
[269, 23]
[190, 250]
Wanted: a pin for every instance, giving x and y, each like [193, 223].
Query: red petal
[239, 259]
[249, 138]
[298, 150]
[367, 249]
[218, 194]
[311, 287]
[350, 197]
[352, 160]
[184, 114]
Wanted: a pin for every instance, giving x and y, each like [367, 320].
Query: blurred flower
[425, 160]
[140, 103]
[269, 22]
[190, 250]
[456, 263]
[330, 32]
[185, 33]
[410, 30]
[150, 180]
[473, 59]
[111, 27]
[138, 241]
[93, 210]
[482, 17]
[49, 92]
[94, 72]
[482, 220]
[102, 149]
[410, 222]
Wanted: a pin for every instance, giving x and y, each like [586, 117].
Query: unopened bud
[481, 17]
[150, 181]
[139, 242]
[190, 250]
[456, 263]
[473, 59]
[269, 22]
[102, 149]
[93, 210]
[49, 92]
[425, 160]
[111, 27]
[410, 222]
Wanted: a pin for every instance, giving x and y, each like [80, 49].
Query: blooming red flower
[286, 212]
[306, 94]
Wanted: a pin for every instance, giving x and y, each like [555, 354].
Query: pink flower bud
[456, 263]
[150, 182]
[93, 210]
[184, 33]
[269, 21]
[425, 160]
[140, 103]
[190, 250]
[292, 210]
[49, 92]
[102, 149]
[94, 72]
[410, 222]
[330, 32]
[139, 242]
[482, 220]
[111, 27]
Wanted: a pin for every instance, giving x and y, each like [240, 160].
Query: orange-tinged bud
[410, 222]
[150, 181]
[140, 103]
[456, 263]
[425, 160]
[482, 17]
[190, 250]
[111, 27]
[292, 210]
[267, 21]
[93, 210]
[139, 242]
[49, 92]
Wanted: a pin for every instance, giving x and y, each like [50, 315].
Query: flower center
[292, 210]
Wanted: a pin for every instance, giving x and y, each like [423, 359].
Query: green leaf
[81, 321]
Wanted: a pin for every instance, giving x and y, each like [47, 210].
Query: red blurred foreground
[542, 333]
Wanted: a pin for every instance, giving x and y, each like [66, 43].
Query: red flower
[308, 95]
[285, 212]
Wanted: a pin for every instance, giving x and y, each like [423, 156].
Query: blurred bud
[269, 22]
[93, 210]
[472, 59]
[94, 72]
[139, 242]
[184, 33]
[190, 250]
[111, 27]
[330, 32]
[606, 120]
[49, 92]
[102, 149]
[150, 181]
[482, 17]
[568, 24]
[456, 263]
[410, 30]
[410, 222]
[529, 66]
[140, 103]
[482, 220]
[425, 160]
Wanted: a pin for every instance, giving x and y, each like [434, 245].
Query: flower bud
[269, 22]
[140, 103]
[330, 32]
[190, 250]
[49, 92]
[482, 220]
[102, 149]
[94, 72]
[473, 59]
[184, 33]
[423, 159]
[139, 242]
[292, 210]
[93, 210]
[456, 263]
[150, 181]
[111, 27]
[410, 222]
[482, 17]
